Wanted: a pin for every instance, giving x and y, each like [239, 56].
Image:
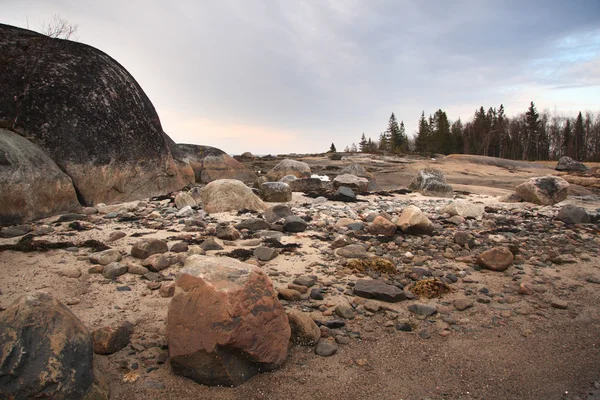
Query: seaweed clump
[373, 264]
[430, 288]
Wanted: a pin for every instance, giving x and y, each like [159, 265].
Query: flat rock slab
[372, 289]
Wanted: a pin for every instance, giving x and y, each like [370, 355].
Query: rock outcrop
[431, 182]
[225, 323]
[279, 192]
[89, 115]
[360, 171]
[210, 163]
[544, 190]
[31, 184]
[229, 195]
[357, 184]
[45, 351]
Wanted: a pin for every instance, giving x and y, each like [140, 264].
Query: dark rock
[570, 214]
[311, 185]
[253, 224]
[210, 163]
[344, 194]
[110, 339]
[263, 253]
[334, 324]
[316, 294]
[568, 164]
[14, 231]
[294, 223]
[404, 327]
[45, 351]
[114, 270]
[180, 247]
[89, 115]
[276, 213]
[344, 311]
[304, 330]
[373, 289]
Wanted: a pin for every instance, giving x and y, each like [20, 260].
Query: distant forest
[528, 136]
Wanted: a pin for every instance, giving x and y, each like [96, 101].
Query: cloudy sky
[280, 76]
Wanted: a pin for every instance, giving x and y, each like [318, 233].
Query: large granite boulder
[89, 115]
[210, 163]
[289, 167]
[568, 164]
[544, 190]
[311, 185]
[31, 184]
[229, 195]
[225, 323]
[414, 221]
[431, 182]
[359, 170]
[45, 351]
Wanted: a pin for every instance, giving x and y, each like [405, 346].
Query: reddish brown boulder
[110, 339]
[225, 323]
[146, 247]
[496, 259]
[381, 226]
[45, 351]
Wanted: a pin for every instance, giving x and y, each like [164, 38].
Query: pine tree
[532, 132]
[362, 145]
[332, 148]
[393, 132]
[456, 132]
[422, 139]
[567, 146]
[579, 138]
[384, 141]
[440, 133]
[403, 138]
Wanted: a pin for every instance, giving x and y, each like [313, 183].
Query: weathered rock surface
[32, 186]
[277, 192]
[45, 351]
[413, 220]
[431, 182]
[568, 164]
[352, 251]
[464, 209]
[105, 257]
[381, 226]
[277, 212]
[310, 185]
[225, 323]
[229, 195]
[89, 115]
[210, 164]
[183, 200]
[545, 190]
[289, 167]
[294, 223]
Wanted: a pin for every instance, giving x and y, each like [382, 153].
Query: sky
[294, 76]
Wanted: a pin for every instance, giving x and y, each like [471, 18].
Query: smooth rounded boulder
[569, 165]
[32, 186]
[210, 164]
[225, 323]
[357, 184]
[360, 171]
[289, 167]
[45, 351]
[413, 220]
[496, 259]
[89, 115]
[229, 195]
[545, 190]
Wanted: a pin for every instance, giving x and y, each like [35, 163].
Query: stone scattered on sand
[263, 253]
[496, 259]
[464, 209]
[294, 224]
[545, 190]
[422, 309]
[225, 323]
[184, 200]
[144, 248]
[106, 257]
[381, 226]
[276, 213]
[463, 304]
[352, 251]
[110, 339]
[226, 231]
[374, 289]
[113, 270]
[413, 220]
[304, 330]
[326, 348]
[431, 182]
[14, 231]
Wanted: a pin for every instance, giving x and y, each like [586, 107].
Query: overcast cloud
[295, 75]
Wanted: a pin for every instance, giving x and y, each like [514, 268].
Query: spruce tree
[393, 133]
[362, 145]
[532, 132]
[422, 140]
[579, 138]
[332, 148]
[403, 138]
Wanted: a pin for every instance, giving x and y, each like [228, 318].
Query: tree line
[527, 136]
